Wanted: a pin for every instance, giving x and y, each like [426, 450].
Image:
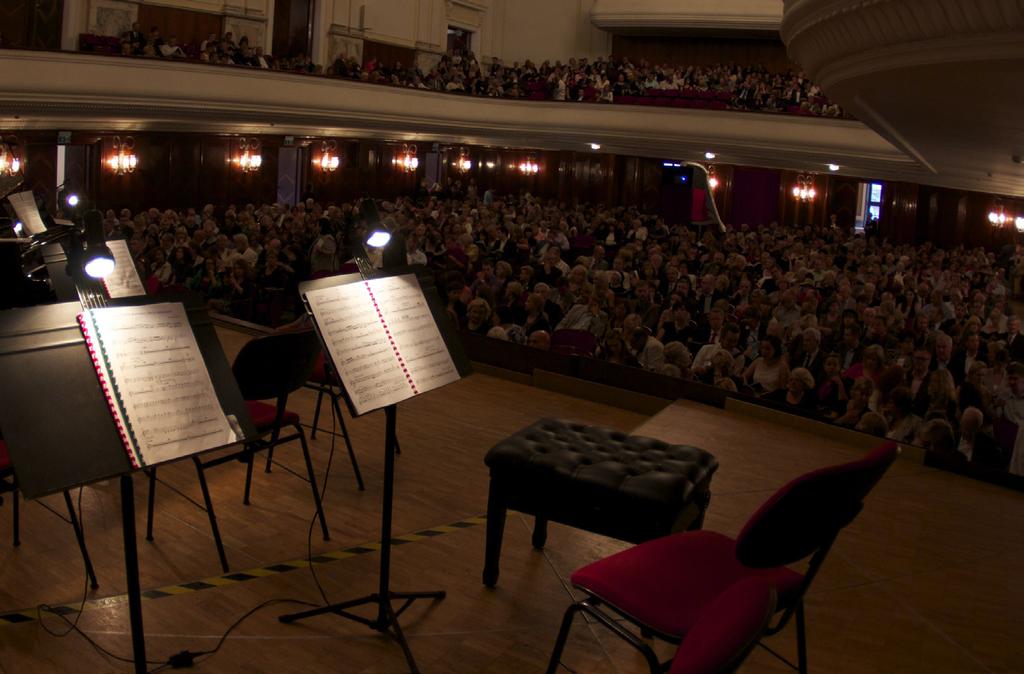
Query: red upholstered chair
[663, 586]
[9, 485]
[727, 630]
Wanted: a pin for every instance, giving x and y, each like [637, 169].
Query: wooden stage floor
[928, 579]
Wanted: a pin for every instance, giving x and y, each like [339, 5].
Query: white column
[321, 23]
[73, 22]
[268, 32]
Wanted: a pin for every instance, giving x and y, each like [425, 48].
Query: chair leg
[312, 484]
[17, 517]
[316, 412]
[214, 529]
[80, 537]
[150, 503]
[540, 532]
[348, 443]
[496, 511]
[270, 457]
[801, 639]
[248, 477]
[563, 636]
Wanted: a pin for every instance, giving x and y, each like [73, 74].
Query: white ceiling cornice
[654, 15]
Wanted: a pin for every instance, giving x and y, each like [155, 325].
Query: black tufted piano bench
[598, 479]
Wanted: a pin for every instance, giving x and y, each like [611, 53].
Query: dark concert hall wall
[180, 170]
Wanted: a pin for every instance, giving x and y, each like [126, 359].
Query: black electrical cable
[188, 658]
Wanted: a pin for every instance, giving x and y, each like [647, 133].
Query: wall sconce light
[529, 167]
[490, 164]
[464, 163]
[124, 160]
[329, 160]
[712, 178]
[998, 217]
[406, 160]
[250, 159]
[10, 163]
[804, 190]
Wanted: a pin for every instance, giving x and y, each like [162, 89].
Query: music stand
[386, 621]
[45, 366]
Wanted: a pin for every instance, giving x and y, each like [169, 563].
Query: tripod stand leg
[150, 503]
[312, 483]
[316, 412]
[80, 537]
[214, 529]
[16, 514]
[348, 443]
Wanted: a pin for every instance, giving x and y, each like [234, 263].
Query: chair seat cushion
[666, 583]
[5, 458]
[263, 415]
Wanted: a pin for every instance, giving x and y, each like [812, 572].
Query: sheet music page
[124, 281]
[415, 332]
[359, 346]
[162, 381]
[25, 206]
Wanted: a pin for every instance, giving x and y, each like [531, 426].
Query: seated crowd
[722, 86]
[915, 343]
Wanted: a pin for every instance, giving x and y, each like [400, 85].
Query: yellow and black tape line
[34, 614]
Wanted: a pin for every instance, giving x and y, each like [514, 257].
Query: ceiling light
[709, 155]
[833, 167]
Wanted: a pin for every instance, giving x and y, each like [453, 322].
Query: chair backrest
[275, 365]
[726, 630]
[805, 515]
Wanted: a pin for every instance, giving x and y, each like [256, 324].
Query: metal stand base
[386, 621]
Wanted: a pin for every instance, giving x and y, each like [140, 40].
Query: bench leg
[540, 532]
[496, 511]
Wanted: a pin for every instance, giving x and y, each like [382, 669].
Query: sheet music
[161, 380]
[383, 340]
[24, 204]
[124, 281]
[415, 333]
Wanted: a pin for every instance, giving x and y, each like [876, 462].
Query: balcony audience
[724, 86]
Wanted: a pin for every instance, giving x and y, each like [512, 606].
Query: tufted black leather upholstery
[627, 487]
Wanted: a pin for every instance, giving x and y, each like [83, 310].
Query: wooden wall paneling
[40, 170]
[842, 200]
[14, 20]
[905, 211]
[31, 24]
[387, 54]
[184, 172]
[44, 27]
[189, 27]
[770, 53]
[216, 170]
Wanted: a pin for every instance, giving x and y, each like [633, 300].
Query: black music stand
[386, 621]
[46, 369]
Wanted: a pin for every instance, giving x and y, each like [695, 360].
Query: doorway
[460, 40]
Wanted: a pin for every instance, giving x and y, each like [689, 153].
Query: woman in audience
[769, 371]
[799, 391]
[899, 412]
